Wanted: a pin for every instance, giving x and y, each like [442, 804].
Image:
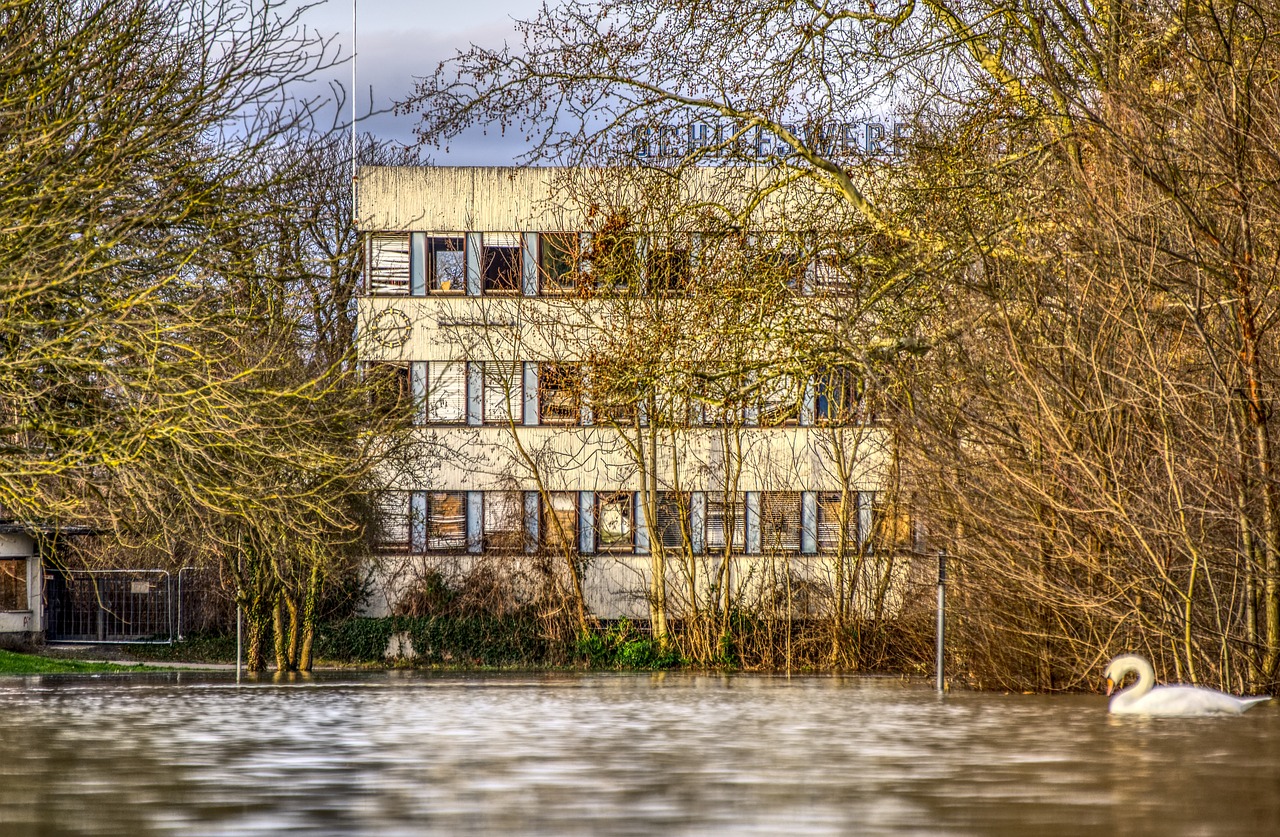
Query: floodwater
[412, 753]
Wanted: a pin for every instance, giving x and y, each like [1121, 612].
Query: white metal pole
[354, 140]
[940, 638]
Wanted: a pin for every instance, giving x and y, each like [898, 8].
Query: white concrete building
[21, 582]
[472, 309]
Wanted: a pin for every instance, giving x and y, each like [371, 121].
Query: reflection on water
[613, 754]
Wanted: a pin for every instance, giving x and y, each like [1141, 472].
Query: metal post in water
[940, 638]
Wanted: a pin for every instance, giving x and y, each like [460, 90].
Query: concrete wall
[30, 620]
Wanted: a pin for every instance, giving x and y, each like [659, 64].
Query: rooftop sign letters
[726, 139]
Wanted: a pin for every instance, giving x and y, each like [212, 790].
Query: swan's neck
[1146, 680]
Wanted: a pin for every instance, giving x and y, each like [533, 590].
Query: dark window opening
[560, 268]
[668, 270]
[501, 269]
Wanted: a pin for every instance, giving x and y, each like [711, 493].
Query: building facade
[486, 308]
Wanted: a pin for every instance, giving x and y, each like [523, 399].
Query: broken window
[447, 260]
[447, 392]
[504, 520]
[503, 392]
[830, 512]
[615, 529]
[560, 521]
[726, 523]
[780, 521]
[560, 393]
[387, 264]
[501, 264]
[446, 521]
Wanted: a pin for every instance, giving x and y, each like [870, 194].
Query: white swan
[1146, 698]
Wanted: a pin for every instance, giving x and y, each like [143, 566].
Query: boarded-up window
[672, 519]
[504, 520]
[780, 521]
[560, 521]
[447, 392]
[615, 529]
[446, 523]
[391, 533]
[13, 584]
[501, 263]
[560, 393]
[448, 264]
[503, 391]
[725, 521]
[388, 264]
[829, 516]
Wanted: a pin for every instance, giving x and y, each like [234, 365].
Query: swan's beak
[1111, 684]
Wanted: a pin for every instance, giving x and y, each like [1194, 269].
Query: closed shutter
[780, 521]
[389, 264]
[673, 512]
[503, 397]
[721, 518]
[504, 520]
[829, 522]
[446, 520]
[447, 392]
[393, 521]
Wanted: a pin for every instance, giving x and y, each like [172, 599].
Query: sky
[400, 39]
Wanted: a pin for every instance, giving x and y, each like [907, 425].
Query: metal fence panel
[110, 606]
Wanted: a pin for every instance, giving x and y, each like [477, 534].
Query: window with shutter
[446, 521]
[560, 521]
[503, 392]
[447, 392]
[780, 401]
[672, 518]
[388, 264]
[726, 520]
[391, 532]
[780, 521]
[829, 515]
[504, 520]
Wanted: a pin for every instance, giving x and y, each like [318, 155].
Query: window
[389, 388]
[613, 394]
[615, 530]
[391, 532]
[560, 393]
[609, 259]
[672, 519]
[447, 265]
[726, 524]
[827, 274]
[560, 521]
[447, 392]
[13, 584]
[667, 266]
[836, 396]
[780, 400]
[504, 520]
[446, 521]
[780, 521]
[387, 261]
[503, 392]
[501, 264]
[561, 255]
[829, 521]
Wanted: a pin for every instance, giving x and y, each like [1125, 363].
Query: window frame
[14, 583]
[771, 503]
[487, 260]
[626, 501]
[431, 268]
[546, 510]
